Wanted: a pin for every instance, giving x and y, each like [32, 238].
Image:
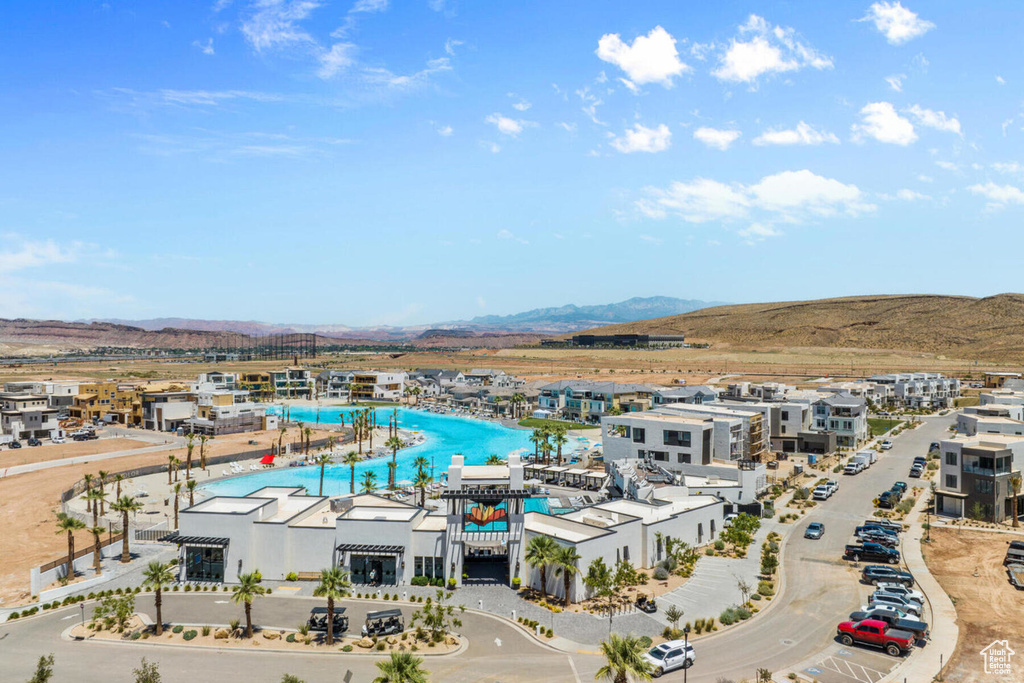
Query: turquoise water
[446, 435]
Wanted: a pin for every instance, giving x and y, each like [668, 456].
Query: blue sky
[376, 162]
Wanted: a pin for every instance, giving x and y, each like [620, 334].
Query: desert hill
[989, 328]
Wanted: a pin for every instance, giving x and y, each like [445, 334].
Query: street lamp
[686, 650]
[81, 606]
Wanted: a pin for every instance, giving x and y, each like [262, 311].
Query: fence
[153, 533]
[112, 539]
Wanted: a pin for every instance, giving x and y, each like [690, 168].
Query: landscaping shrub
[387, 597]
[175, 589]
[719, 545]
[646, 642]
[419, 581]
[743, 613]
[348, 648]
[728, 616]
[452, 582]
[292, 576]
[755, 596]
[188, 588]
[12, 615]
[765, 588]
[136, 635]
[178, 629]
[550, 633]
[190, 634]
[517, 582]
[709, 551]
[269, 591]
[290, 638]
[381, 645]
[661, 573]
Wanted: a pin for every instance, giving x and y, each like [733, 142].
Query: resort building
[166, 411]
[109, 401]
[333, 384]
[216, 381]
[258, 384]
[741, 432]
[291, 383]
[227, 412]
[478, 536]
[974, 476]
[24, 416]
[378, 386]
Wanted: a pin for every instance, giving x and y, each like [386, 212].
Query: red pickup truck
[876, 633]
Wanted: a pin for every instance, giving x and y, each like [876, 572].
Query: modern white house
[974, 476]
[27, 415]
[844, 414]
[920, 390]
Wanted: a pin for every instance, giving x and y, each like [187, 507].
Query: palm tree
[191, 486]
[559, 439]
[88, 487]
[1015, 485]
[545, 449]
[118, 478]
[495, 460]
[177, 495]
[170, 468]
[308, 432]
[247, 590]
[102, 476]
[623, 656]
[392, 467]
[537, 437]
[353, 388]
[540, 552]
[155, 577]
[124, 505]
[203, 438]
[421, 462]
[95, 496]
[97, 533]
[394, 443]
[416, 391]
[324, 459]
[352, 459]
[67, 524]
[190, 444]
[422, 481]
[402, 667]
[369, 484]
[280, 438]
[517, 400]
[565, 559]
[334, 585]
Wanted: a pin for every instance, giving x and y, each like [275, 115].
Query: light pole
[81, 606]
[686, 651]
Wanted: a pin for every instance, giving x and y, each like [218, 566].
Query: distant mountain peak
[572, 317]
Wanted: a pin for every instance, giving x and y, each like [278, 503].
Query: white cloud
[998, 195]
[758, 232]
[643, 139]
[492, 147]
[716, 138]
[935, 119]
[381, 76]
[1000, 80]
[925, 178]
[947, 165]
[445, 131]
[34, 253]
[769, 50]
[1011, 167]
[590, 104]
[897, 23]
[508, 126]
[650, 59]
[275, 23]
[651, 239]
[568, 127]
[521, 105]
[1005, 125]
[206, 47]
[910, 196]
[509, 235]
[630, 85]
[338, 58]
[369, 6]
[895, 82]
[450, 45]
[481, 302]
[803, 134]
[790, 196]
[882, 123]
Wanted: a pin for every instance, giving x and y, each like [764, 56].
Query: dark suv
[879, 573]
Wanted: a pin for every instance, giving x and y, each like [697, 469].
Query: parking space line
[865, 674]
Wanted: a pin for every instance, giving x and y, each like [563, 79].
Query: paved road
[497, 651]
[821, 588]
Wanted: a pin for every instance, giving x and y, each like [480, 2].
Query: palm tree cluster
[548, 439]
[542, 553]
[362, 427]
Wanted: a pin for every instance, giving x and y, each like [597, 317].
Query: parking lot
[840, 664]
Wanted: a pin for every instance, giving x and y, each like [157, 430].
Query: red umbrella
[267, 459]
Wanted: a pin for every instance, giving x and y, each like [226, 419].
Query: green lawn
[880, 425]
[537, 423]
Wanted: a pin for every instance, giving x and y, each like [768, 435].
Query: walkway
[714, 584]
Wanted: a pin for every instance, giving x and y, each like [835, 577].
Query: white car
[877, 599]
[669, 656]
[900, 589]
[58, 439]
[888, 609]
[833, 485]
[886, 445]
[821, 492]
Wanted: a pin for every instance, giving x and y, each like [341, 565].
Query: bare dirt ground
[29, 502]
[72, 449]
[988, 608]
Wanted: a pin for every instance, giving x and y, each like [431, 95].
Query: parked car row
[917, 469]
[877, 540]
[825, 491]
[892, 618]
[889, 499]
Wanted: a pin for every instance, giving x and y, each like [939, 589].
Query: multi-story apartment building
[974, 476]
[291, 383]
[843, 414]
[168, 410]
[697, 395]
[227, 412]
[921, 390]
[216, 381]
[747, 436]
[27, 415]
[378, 386]
[995, 380]
[109, 401]
[587, 401]
[333, 384]
[258, 384]
[60, 394]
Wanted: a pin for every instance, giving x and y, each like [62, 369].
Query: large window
[982, 486]
[639, 435]
[674, 438]
[431, 567]
[951, 458]
[660, 456]
[374, 570]
[485, 516]
[204, 564]
[951, 481]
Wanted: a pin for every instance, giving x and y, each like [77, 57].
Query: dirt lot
[28, 503]
[71, 449]
[988, 608]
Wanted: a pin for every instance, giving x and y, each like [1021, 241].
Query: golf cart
[318, 619]
[386, 622]
[645, 603]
